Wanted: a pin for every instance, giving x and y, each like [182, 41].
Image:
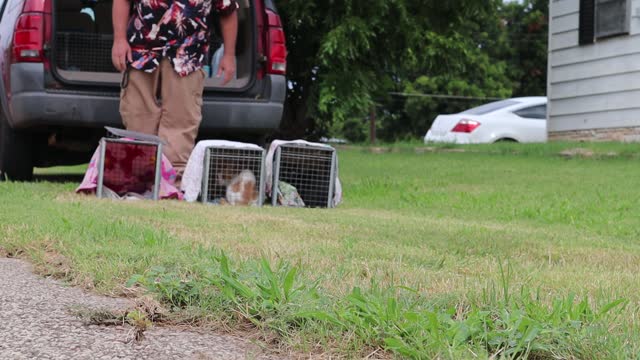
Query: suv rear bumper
[31, 106]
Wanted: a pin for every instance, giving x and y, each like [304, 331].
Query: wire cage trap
[129, 163]
[72, 55]
[311, 170]
[233, 175]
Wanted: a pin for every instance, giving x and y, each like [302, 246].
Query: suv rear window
[491, 107]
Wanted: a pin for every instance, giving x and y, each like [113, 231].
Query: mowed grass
[509, 251]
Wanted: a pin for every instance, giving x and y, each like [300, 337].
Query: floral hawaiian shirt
[176, 29]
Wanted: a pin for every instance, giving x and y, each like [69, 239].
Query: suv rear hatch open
[83, 37]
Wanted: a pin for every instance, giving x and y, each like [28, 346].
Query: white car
[518, 119]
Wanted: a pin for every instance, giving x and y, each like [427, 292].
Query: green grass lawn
[509, 251]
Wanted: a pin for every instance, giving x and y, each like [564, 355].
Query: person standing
[161, 49]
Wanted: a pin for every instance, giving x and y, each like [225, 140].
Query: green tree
[501, 53]
[345, 56]
[527, 28]
[454, 65]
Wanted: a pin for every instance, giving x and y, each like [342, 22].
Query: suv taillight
[465, 126]
[32, 32]
[276, 47]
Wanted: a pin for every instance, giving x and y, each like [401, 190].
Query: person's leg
[181, 113]
[139, 105]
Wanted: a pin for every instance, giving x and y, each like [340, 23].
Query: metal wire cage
[226, 166]
[129, 166]
[72, 55]
[310, 169]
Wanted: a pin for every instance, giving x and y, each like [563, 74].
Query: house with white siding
[594, 70]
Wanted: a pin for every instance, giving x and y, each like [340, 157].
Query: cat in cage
[241, 187]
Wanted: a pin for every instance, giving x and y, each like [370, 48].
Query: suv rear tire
[16, 153]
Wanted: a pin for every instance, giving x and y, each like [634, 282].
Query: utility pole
[372, 125]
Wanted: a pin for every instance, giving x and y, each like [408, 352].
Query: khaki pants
[163, 103]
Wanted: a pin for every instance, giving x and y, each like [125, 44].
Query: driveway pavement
[35, 323]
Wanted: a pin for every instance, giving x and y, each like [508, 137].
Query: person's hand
[120, 54]
[228, 67]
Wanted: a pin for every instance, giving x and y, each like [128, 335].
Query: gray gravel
[35, 323]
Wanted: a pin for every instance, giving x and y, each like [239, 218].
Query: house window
[603, 18]
[612, 18]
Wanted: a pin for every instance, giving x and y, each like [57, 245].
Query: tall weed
[497, 324]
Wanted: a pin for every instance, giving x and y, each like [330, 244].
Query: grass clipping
[140, 318]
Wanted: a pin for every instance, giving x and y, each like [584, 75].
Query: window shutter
[587, 22]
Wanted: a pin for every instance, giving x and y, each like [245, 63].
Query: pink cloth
[130, 168]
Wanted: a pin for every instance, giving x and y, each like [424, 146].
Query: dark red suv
[59, 89]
